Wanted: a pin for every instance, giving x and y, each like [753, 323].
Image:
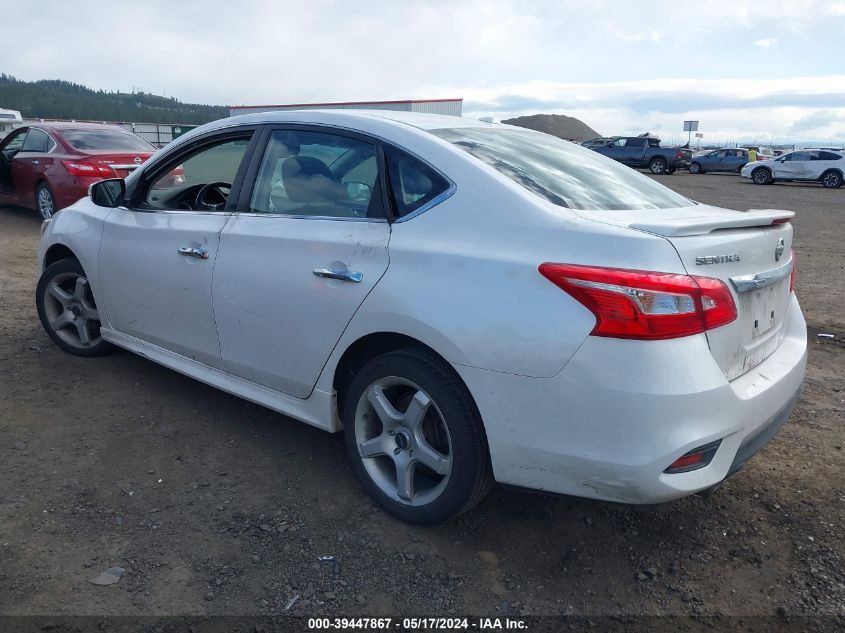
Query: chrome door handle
[188, 251]
[35, 162]
[342, 275]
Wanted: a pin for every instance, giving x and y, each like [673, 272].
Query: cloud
[509, 56]
[766, 42]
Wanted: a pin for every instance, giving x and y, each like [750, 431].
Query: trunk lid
[745, 250]
[122, 163]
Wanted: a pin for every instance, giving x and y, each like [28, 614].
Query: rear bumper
[69, 191]
[620, 412]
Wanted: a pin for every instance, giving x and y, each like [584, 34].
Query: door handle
[189, 251]
[35, 162]
[342, 275]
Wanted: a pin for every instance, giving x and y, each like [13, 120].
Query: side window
[202, 179]
[620, 142]
[318, 174]
[412, 182]
[719, 154]
[13, 143]
[36, 141]
[827, 156]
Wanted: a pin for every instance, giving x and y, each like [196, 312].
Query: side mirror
[358, 191]
[108, 193]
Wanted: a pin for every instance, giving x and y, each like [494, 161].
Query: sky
[769, 71]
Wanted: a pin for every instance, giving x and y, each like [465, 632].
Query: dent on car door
[157, 255]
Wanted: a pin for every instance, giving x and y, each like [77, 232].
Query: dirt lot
[217, 506]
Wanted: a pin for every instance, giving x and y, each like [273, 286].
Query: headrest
[309, 180]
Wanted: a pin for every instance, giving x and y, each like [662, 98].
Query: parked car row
[823, 165]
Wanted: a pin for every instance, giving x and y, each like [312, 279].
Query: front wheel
[695, 168]
[761, 176]
[658, 165]
[831, 179]
[67, 309]
[415, 437]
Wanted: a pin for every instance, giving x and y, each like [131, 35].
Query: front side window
[36, 141]
[202, 179]
[14, 142]
[799, 156]
[561, 172]
[620, 142]
[318, 174]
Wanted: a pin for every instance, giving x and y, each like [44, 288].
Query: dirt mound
[557, 124]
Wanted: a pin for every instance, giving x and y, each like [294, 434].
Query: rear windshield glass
[106, 139]
[562, 172]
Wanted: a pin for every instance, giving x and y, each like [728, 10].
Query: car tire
[695, 168]
[761, 176]
[420, 450]
[831, 179]
[45, 201]
[657, 166]
[67, 310]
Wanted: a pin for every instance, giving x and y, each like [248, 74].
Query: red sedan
[48, 166]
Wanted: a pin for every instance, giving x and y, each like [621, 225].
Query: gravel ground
[213, 505]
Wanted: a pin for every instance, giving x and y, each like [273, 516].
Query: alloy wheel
[70, 310]
[46, 206]
[832, 180]
[403, 441]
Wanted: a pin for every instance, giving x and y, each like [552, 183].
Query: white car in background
[467, 301]
[820, 165]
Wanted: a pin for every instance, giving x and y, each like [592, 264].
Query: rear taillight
[639, 304]
[81, 168]
[792, 272]
[679, 154]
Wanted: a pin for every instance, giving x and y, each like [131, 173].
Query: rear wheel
[45, 201]
[761, 176]
[67, 309]
[831, 179]
[695, 168]
[415, 438]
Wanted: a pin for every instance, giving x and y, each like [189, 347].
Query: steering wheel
[213, 187]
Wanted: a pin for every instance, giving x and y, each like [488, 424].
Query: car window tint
[16, 142]
[318, 174]
[827, 156]
[413, 184]
[561, 172]
[215, 163]
[36, 141]
[107, 138]
[799, 156]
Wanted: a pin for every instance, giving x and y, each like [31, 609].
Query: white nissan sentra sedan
[469, 302]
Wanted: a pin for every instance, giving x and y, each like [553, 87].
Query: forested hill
[56, 99]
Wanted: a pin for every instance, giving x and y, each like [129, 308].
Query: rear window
[114, 139]
[561, 172]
